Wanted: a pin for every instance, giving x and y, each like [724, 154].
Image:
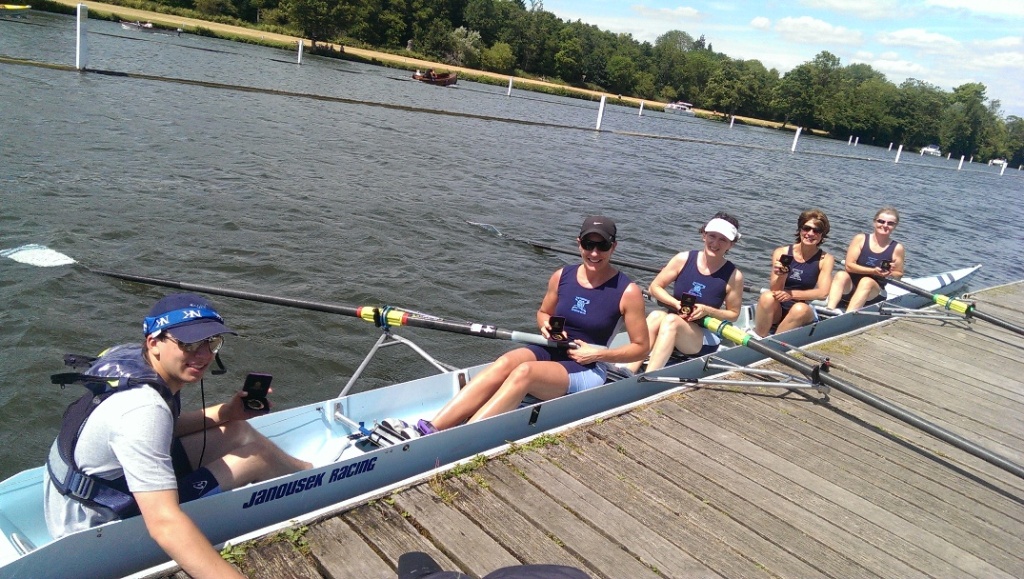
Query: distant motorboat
[997, 162]
[679, 107]
[430, 77]
[932, 150]
[136, 25]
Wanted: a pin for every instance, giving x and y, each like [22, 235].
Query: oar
[616, 261]
[376, 314]
[968, 309]
[45, 257]
[818, 374]
[496, 231]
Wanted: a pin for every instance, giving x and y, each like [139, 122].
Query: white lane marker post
[81, 45]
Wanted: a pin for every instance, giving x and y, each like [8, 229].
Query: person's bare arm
[668, 275]
[180, 538]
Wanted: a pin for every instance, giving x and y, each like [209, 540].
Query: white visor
[719, 225]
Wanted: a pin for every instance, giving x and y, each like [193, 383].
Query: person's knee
[674, 326]
[238, 433]
[868, 286]
[766, 300]
[654, 320]
[506, 364]
[519, 380]
[800, 312]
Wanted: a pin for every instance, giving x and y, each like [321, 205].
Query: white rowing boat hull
[322, 432]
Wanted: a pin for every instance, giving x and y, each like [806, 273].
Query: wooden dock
[729, 482]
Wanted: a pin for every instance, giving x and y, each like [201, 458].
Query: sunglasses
[214, 342]
[809, 228]
[884, 222]
[590, 245]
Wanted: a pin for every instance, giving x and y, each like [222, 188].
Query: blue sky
[943, 42]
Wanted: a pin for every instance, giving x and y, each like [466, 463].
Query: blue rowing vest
[868, 258]
[590, 315]
[804, 276]
[709, 289]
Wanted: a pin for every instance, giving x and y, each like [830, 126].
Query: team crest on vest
[697, 289]
[872, 261]
[581, 305]
[796, 274]
[199, 485]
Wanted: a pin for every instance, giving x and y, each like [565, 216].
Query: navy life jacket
[118, 369]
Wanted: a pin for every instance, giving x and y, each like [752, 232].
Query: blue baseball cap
[187, 317]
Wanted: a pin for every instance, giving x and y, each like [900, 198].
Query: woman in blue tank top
[866, 258]
[713, 283]
[592, 297]
[807, 276]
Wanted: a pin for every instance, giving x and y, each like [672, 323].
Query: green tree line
[511, 37]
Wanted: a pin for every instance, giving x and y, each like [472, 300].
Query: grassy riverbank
[262, 37]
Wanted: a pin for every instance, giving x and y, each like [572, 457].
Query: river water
[354, 185]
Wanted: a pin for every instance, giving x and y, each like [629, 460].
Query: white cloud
[680, 14]
[919, 39]
[896, 70]
[1000, 8]
[867, 9]
[1005, 42]
[807, 30]
[1002, 60]
[761, 23]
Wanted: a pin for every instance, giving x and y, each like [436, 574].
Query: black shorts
[192, 483]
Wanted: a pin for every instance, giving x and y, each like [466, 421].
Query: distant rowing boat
[14, 7]
[333, 435]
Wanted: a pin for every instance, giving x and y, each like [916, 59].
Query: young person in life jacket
[136, 453]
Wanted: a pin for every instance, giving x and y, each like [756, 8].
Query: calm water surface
[366, 203]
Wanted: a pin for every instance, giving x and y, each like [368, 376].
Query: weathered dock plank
[598, 550]
[518, 534]
[466, 544]
[610, 515]
[765, 424]
[725, 481]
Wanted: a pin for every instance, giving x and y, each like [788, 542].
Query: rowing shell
[347, 467]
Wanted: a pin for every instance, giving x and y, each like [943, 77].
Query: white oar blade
[37, 255]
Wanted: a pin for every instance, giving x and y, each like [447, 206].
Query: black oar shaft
[253, 297]
[922, 424]
[956, 305]
[396, 317]
[998, 322]
[738, 336]
[624, 263]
